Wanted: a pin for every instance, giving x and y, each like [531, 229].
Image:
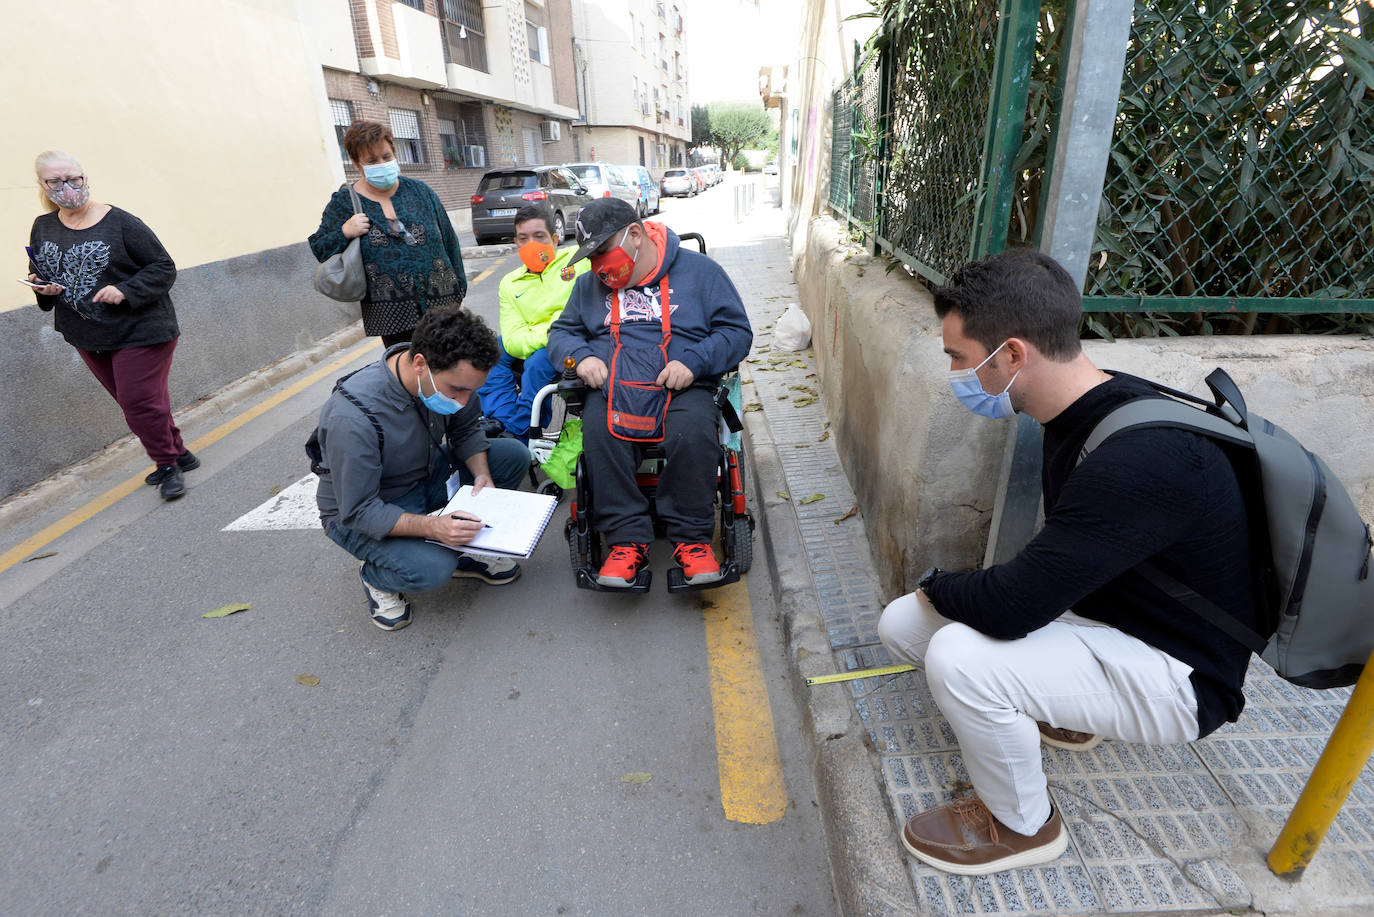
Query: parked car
[699, 173]
[504, 191]
[678, 183]
[604, 180]
[713, 175]
[646, 189]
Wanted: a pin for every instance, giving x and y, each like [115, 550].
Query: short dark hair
[451, 333]
[534, 212]
[361, 136]
[1019, 292]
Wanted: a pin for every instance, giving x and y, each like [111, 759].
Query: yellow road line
[752, 790]
[122, 490]
[487, 273]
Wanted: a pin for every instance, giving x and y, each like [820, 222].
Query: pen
[485, 525]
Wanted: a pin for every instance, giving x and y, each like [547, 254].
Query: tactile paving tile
[1149, 833]
[837, 549]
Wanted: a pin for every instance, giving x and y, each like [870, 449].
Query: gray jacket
[361, 482]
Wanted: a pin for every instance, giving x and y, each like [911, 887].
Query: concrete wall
[925, 470]
[237, 315]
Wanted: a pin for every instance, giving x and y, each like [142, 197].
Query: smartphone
[40, 284]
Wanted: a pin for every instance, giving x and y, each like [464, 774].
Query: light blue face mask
[439, 404]
[382, 175]
[969, 390]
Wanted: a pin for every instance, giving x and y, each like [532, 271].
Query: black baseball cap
[598, 221]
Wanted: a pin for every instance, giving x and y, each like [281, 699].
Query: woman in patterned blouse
[105, 277]
[410, 251]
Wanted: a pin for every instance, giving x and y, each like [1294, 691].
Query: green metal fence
[1241, 173]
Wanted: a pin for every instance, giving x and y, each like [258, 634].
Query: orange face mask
[536, 255]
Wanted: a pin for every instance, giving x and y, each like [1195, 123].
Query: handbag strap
[357, 204]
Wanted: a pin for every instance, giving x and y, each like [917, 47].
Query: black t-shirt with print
[120, 250]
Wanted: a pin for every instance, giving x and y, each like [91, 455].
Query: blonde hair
[47, 158]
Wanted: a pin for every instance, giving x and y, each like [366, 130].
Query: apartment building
[630, 59]
[465, 86]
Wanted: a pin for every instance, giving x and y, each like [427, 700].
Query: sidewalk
[1154, 830]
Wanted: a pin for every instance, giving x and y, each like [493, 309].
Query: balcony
[420, 60]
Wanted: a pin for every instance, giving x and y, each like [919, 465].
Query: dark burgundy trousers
[136, 377]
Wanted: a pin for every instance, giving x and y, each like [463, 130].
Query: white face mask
[969, 390]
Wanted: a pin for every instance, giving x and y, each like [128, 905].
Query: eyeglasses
[76, 181]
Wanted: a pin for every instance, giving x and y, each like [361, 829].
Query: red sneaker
[623, 564]
[698, 563]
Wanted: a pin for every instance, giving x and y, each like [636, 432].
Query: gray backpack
[1312, 550]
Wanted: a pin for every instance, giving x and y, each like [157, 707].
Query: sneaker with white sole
[494, 571]
[389, 610]
[966, 839]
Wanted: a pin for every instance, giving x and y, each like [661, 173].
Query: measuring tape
[860, 673]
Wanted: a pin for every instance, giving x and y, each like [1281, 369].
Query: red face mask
[615, 267]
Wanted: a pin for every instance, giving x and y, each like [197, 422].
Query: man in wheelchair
[647, 322]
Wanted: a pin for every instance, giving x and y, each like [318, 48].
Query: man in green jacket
[531, 297]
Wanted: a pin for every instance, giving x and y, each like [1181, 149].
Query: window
[414, 4]
[534, 150]
[343, 117]
[539, 42]
[448, 144]
[405, 127]
[465, 42]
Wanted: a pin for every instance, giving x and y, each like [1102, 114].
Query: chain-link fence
[1241, 173]
[1242, 169]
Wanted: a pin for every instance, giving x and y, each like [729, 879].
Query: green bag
[562, 461]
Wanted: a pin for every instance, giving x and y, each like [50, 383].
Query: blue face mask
[969, 390]
[383, 174]
[439, 404]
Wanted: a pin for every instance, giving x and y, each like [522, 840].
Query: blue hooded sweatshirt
[710, 329]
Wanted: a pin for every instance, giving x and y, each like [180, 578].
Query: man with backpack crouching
[383, 462]
[1064, 642]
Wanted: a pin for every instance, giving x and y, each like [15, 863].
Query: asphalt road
[525, 749]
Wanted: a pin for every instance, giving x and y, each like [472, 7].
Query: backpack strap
[1168, 413]
[372, 418]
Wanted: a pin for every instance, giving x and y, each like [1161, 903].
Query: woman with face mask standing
[409, 249]
[105, 277]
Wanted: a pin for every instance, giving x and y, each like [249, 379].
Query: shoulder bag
[341, 276]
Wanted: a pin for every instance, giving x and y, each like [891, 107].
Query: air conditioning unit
[475, 157]
[550, 131]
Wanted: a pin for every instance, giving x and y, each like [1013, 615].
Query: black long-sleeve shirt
[121, 250]
[1167, 496]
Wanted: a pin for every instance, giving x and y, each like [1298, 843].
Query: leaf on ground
[638, 777]
[782, 397]
[225, 611]
[803, 402]
[798, 364]
[752, 406]
[275, 490]
[798, 387]
[853, 511]
[814, 498]
[308, 680]
[824, 437]
[785, 495]
[41, 556]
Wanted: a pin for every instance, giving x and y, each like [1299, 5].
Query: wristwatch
[927, 578]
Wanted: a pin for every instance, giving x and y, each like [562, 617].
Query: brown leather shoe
[964, 838]
[1067, 738]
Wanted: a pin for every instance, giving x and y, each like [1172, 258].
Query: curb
[867, 873]
[66, 483]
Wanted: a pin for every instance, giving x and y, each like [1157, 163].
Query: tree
[701, 126]
[736, 125]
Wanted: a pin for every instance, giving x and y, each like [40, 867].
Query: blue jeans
[394, 564]
[509, 401]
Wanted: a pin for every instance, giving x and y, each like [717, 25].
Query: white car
[678, 183]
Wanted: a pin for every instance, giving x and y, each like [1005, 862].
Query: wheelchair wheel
[744, 543]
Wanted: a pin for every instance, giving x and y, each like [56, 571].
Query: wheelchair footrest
[678, 583]
[586, 579]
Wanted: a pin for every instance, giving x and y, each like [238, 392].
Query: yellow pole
[1340, 764]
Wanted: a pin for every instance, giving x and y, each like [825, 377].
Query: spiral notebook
[516, 519]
